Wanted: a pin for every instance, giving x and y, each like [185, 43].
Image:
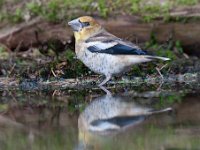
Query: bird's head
[84, 27]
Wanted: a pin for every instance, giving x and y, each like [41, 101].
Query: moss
[58, 10]
[187, 2]
[75, 67]
[16, 17]
[52, 11]
[3, 52]
[135, 6]
[34, 8]
[172, 49]
[1, 3]
[166, 100]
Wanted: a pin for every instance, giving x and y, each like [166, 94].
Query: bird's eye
[85, 24]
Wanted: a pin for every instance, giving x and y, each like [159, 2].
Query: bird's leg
[106, 90]
[163, 66]
[160, 86]
[159, 69]
[108, 77]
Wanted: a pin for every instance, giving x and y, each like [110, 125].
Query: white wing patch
[104, 126]
[100, 45]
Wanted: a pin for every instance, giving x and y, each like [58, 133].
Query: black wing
[109, 44]
[121, 122]
[117, 49]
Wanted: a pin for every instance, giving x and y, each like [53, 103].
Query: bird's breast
[103, 63]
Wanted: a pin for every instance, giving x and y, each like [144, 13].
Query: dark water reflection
[85, 119]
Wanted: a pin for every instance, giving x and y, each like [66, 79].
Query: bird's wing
[115, 123]
[110, 44]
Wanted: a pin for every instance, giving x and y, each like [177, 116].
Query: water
[129, 118]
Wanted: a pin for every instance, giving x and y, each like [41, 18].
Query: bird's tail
[159, 111]
[153, 112]
[157, 57]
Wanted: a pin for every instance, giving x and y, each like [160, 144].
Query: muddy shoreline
[190, 79]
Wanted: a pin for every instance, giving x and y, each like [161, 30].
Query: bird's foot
[159, 69]
[105, 80]
[105, 90]
[162, 77]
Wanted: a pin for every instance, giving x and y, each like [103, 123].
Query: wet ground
[132, 117]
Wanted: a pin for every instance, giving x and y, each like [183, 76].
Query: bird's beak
[75, 25]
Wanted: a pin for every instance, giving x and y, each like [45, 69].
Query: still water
[123, 119]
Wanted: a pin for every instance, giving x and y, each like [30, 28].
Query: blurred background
[49, 100]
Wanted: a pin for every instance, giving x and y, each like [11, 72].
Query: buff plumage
[103, 52]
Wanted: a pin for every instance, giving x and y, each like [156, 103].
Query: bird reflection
[109, 114]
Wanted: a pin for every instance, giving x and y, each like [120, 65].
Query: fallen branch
[123, 26]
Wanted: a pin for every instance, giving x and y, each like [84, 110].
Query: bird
[110, 114]
[103, 52]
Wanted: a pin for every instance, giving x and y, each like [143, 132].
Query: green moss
[3, 52]
[69, 55]
[75, 67]
[58, 10]
[135, 6]
[170, 49]
[102, 8]
[149, 12]
[187, 2]
[34, 8]
[179, 47]
[17, 16]
[52, 11]
[168, 100]
[1, 3]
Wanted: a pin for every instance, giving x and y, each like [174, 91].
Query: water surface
[129, 118]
